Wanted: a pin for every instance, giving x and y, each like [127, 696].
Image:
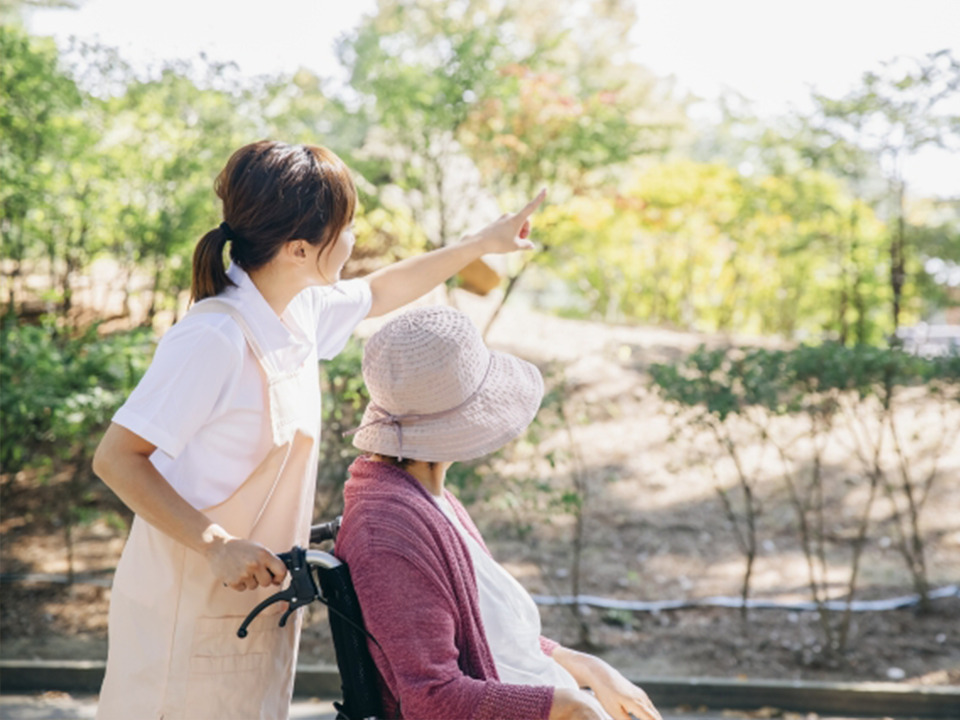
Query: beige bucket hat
[438, 394]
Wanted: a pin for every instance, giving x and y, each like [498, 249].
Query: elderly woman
[456, 635]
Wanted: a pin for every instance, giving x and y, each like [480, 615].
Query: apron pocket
[226, 664]
[234, 679]
[226, 687]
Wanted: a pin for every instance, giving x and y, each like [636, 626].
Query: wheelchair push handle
[301, 591]
[325, 531]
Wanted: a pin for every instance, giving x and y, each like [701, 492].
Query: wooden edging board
[851, 699]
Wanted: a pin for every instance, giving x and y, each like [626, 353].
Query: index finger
[276, 567]
[644, 711]
[531, 206]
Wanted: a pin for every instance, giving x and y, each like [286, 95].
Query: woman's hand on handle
[242, 564]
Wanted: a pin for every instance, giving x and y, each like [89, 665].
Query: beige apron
[174, 651]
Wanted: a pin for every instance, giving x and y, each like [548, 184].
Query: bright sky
[772, 51]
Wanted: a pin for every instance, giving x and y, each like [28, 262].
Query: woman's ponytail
[273, 193]
[209, 274]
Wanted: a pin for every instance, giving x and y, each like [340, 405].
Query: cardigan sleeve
[413, 619]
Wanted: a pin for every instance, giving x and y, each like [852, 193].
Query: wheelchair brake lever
[301, 591]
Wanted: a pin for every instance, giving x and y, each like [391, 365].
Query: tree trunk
[511, 284]
[127, 279]
[897, 259]
[12, 292]
[441, 203]
[842, 312]
[154, 294]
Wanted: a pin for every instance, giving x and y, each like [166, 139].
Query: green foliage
[907, 105]
[702, 246]
[446, 98]
[39, 97]
[344, 398]
[418, 68]
[729, 381]
[863, 139]
[424, 63]
[740, 397]
[466, 479]
[59, 391]
[168, 138]
[573, 112]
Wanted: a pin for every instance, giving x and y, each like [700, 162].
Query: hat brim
[499, 412]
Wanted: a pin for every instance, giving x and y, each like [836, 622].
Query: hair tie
[227, 231]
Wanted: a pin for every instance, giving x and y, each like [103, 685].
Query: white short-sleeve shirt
[202, 401]
[511, 620]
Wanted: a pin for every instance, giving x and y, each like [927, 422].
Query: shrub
[60, 389]
[742, 396]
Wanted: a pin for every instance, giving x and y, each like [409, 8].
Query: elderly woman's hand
[575, 705]
[618, 696]
[510, 232]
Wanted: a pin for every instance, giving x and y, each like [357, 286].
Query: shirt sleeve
[339, 309]
[183, 388]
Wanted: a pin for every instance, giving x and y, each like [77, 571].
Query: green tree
[166, 141]
[702, 246]
[300, 109]
[905, 106]
[418, 68]
[35, 120]
[936, 238]
[575, 115]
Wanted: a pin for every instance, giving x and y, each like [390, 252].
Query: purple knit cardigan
[418, 592]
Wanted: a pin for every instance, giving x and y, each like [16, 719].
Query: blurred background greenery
[802, 227]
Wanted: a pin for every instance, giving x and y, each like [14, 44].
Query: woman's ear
[296, 249]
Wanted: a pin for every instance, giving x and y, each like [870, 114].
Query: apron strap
[273, 488]
[215, 306]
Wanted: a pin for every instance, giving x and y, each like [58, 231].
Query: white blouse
[510, 618]
[202, 400]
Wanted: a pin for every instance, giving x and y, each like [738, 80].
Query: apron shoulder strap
[215, 306]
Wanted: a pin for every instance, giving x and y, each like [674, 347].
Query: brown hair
[273, 193]
[402, 463]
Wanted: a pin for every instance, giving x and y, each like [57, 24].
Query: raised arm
[396, 285]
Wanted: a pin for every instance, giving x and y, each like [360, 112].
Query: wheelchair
[318, 575]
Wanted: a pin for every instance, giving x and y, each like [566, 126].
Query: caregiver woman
[215, 450]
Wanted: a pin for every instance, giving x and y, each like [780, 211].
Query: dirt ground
[653, 529]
